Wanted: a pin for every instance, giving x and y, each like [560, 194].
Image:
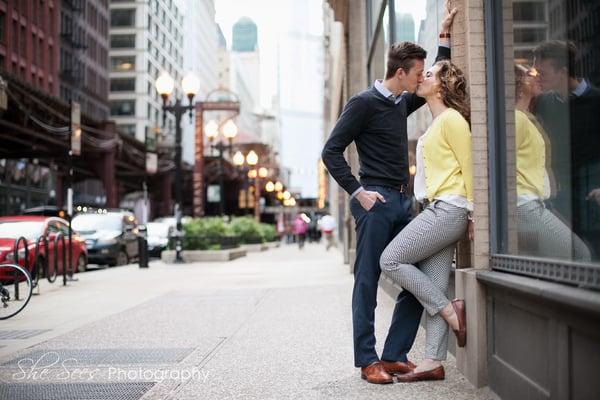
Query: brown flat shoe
[461, 333]
[397, 367]
[375, 373]
[437, 374]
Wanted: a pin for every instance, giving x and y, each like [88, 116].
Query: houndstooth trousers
[419, 259]
[543, 234]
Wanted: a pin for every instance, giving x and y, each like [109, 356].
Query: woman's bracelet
[470, 217]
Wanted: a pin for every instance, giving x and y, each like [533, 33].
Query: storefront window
[552, 104]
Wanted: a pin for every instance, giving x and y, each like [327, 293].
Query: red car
[32, 227]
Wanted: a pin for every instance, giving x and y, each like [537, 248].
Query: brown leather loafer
[397, 367]
[375, 373]
[437, 374]
[461, 333]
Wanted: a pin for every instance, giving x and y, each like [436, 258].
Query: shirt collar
[379, 86]
[581, 88]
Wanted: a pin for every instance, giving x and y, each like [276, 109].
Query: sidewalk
[272, 325]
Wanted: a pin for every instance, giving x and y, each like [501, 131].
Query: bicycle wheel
[15, 289]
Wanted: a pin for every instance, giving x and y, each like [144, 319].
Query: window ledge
[581, 299]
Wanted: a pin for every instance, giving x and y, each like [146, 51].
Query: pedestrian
[327, 225]
[419, 258]
[375, 120]
[300, 227]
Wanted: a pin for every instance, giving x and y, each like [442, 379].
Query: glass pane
[122, 41]
[122, 18]
[122, 107]
[553, 120]
[123, 63]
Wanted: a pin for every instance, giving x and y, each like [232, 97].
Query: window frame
[576, 273]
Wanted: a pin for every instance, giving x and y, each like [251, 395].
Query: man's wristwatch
[445, 35]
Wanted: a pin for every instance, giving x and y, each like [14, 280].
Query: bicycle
[15, 289]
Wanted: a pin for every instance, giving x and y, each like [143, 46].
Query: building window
[122, 18]
[547, 145]
[122, 63]
[122, 41]
[122, 107]
[2, 27]
[529, 11]
[127, 129]
[122, 85]
[22, 42]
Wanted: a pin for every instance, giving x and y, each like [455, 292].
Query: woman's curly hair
[453, 85]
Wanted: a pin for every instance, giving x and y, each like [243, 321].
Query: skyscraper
[145, 40]
[200, 56]
[301, 94]
[84, 55]
[405, 27]
[245, 36]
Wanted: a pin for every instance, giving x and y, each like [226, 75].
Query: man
[375, 120]
[568, 110]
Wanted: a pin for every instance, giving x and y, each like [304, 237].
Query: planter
[254, 248]
[168, 256]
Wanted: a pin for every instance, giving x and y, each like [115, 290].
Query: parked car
[111, 237]
[158, 237]
[31, 227]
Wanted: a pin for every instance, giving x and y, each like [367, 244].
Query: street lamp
[251, 159]
[165, 85]
[229, 131]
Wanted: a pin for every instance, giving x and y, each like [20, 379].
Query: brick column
[468, 52]
[356, 81]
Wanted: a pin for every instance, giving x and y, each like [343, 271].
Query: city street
[272, 325]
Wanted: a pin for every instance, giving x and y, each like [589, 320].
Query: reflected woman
[420, 257]
[541, 233]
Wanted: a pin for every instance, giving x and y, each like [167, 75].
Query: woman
[444, 184]
[541, 233]
[300, 228]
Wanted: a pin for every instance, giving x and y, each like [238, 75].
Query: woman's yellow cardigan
[447, 157]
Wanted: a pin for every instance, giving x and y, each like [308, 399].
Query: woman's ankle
[428, 365]
[450, 316]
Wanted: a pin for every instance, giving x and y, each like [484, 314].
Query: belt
[400, 188]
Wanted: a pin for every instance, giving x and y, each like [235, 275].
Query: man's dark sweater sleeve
[346, 129]
[415, 102]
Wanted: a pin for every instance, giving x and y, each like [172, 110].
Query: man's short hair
[403, 55]
[560, 53]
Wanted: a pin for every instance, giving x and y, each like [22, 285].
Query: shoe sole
[377, 383]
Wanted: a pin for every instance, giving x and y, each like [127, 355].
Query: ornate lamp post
[253, 173]
[229, 131]
[165, 86]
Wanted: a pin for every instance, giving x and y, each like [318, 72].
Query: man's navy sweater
[378, 127]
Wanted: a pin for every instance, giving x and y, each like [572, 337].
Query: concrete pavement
[272, 325]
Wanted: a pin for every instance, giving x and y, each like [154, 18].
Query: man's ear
[400, 73]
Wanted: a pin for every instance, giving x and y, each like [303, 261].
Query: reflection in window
[554, 88]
